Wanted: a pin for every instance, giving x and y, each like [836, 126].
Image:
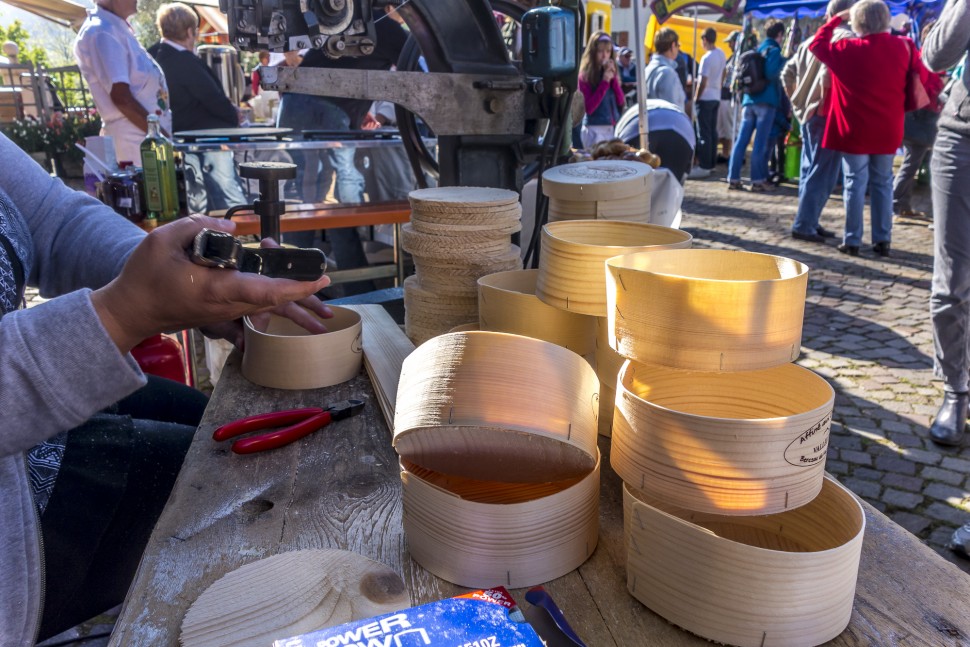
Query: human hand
[300, 312]
[160, 289]
[844, 15]
[609, 71]
[370, 123]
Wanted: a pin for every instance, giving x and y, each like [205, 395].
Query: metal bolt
[367, 48]
[317, 41]
[492, 106]
[242, 24]
[358, 25]
[340, 45]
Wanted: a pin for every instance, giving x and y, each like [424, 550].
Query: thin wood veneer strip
[507, 302]
[497, 407]
[505, 540]
[285, 356]
[706, 309]
[572, 274]
[385, 347]
[784, 580]
[752, 442]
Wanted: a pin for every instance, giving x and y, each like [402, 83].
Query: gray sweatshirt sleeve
[949, 39]
[58, 366]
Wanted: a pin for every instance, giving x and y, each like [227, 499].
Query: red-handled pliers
[301, 422]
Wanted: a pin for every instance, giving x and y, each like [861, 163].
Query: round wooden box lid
[572, 272]
[763, 581]
[706, 309]
[284, 355]
[497, 407]
[598, 180]
[744, 443]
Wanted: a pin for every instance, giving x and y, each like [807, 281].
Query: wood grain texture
[285, 356]
[706, 309]
[385, 347]
[744, 443]
[781, 580]
[341, 487]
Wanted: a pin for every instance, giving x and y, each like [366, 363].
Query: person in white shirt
[126, 83]
[707, 98]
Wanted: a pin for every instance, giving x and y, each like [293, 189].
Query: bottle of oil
[158, 162]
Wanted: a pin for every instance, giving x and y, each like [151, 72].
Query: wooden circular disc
[497, 407]
[598, 180]
[465, 245]
[461, 196]
[707, 309]
[572, 274]
[290, 594]
[475, 533]
[507, 303]
[284, 355]
[428, 314]
[495, 226]
[460, 277]
[768, 580]
[745, 443]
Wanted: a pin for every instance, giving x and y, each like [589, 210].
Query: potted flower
[52, 142]
[63, 131]
[30, 134]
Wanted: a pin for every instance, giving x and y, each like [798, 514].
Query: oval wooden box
[507, 302]
[745, 443]
[706, 309]
[572, 275]
[785, 580]
[598, 180]
[497, 407]
[286, 356]
[480, 534]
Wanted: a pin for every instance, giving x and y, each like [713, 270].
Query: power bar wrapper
[488, 618]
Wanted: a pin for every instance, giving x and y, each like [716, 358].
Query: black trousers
[117, 472]
[707, 133]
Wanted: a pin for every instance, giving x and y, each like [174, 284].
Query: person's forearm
[133, 111]
[949, 39]
[700, 88]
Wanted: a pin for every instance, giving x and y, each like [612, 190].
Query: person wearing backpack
[757, 77]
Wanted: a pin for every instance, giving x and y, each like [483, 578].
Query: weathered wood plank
[340, 488]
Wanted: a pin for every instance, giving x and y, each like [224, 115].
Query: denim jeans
[213, 183]
[707, 133]
[950, 293]
[876, 173]
[308, 112]
[754, 117]
[819, 173]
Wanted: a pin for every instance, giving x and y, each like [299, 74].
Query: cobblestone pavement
[867, 331]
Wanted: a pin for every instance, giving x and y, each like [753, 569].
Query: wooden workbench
[310, 217]
[340, 488]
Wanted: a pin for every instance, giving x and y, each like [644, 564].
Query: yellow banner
[664, 9]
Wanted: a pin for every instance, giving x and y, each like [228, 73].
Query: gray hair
[837, 6]
[870, 17]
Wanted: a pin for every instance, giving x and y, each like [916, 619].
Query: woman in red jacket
[865, 120]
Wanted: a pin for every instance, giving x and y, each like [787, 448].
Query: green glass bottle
[158, 163]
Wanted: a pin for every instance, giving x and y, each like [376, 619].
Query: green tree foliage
[143, 22]
[16, 33]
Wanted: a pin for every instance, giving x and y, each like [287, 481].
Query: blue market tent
[807, 8]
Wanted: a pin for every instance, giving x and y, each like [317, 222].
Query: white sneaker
[697, 173]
